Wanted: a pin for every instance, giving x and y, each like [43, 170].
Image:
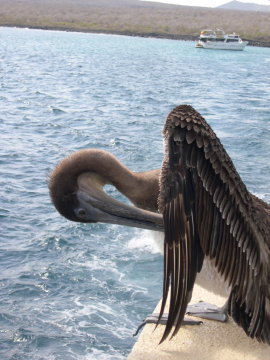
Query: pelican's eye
[81, 213]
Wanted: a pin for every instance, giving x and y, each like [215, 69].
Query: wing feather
[208, 211]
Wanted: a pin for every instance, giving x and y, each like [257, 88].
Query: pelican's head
[78, 195]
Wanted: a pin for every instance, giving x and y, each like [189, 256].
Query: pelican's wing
[208, 211]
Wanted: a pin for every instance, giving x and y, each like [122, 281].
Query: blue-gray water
[75, 291]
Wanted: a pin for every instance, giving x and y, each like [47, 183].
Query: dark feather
[208, 211]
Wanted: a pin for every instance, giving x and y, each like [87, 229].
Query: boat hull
[212, 45]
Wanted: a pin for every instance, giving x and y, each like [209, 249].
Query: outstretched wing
[208, 211]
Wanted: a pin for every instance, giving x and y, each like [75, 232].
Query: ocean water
[78, 291]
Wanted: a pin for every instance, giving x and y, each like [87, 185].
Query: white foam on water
[147, 240]
[92, 308]
[263, 196]
[101, 355]
[95, 263]
[221, 134]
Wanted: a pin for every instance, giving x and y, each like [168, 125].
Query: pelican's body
[208, 217]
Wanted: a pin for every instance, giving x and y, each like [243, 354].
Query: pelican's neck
[140, 188]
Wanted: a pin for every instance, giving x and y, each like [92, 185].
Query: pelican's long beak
[94, 205]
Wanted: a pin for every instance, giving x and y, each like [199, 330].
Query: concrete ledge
[210, 341]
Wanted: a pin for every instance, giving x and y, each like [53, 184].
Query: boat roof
[218, 33]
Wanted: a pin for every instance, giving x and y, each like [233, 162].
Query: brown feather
[229, 225]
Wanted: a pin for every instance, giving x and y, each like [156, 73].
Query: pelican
[200, 202]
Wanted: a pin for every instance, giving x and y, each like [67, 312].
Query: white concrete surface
[210, 341]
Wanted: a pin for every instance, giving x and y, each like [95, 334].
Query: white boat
[218, 40]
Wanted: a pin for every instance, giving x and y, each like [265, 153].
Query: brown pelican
[208, 216]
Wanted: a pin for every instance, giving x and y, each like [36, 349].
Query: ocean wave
[57, 111]
[147, 240]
